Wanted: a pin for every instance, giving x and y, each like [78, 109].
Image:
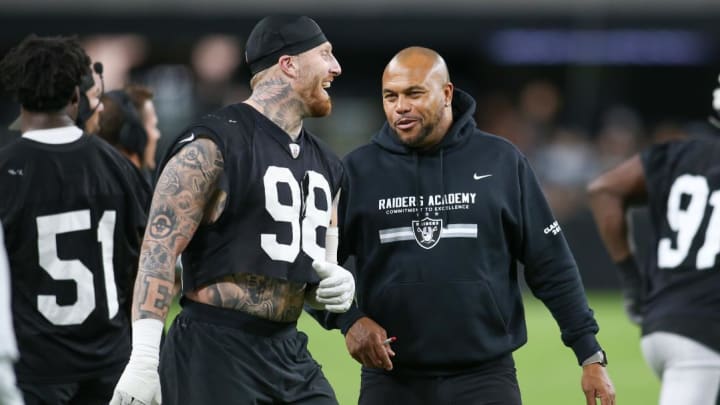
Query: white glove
[716, 98]
[9, 392]
[140, 381]
[337, 286]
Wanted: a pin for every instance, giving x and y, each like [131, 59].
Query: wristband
[146, 335]
[332, 238]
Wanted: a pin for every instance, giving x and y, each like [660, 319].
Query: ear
[73, 107]
[288, 65]
[75, 97]
[448, 91]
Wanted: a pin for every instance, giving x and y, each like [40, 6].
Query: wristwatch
[598, 357]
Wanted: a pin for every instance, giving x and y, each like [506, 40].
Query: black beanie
[275, 36]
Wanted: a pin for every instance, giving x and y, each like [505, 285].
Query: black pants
[221, 356]
[91, 391]
[495, 383]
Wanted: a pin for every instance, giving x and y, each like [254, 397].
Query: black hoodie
[437, 236]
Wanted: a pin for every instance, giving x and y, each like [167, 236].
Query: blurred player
[129, 123]
[245, 194]
[142, 99]
[9, 393]
[91, 106]
[72, 214]
[674, 298]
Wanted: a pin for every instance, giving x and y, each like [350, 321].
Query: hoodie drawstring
[442, 184]
[416, 159]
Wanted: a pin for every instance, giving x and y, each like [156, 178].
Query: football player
[245, 194]
[71, 207]
[9, 393]
[674, 296]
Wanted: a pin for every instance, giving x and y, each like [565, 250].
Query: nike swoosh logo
[188, 139]
[476, 177]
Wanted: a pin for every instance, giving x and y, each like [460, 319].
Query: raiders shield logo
[427, 232]
[294, 150]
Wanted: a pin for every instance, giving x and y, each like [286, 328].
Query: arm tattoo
[180, 199]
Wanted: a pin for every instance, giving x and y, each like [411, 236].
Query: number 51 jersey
[279, 200]
[683, 272]
[73, 209]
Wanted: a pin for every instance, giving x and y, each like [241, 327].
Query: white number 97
[686, 223]
[304, 233]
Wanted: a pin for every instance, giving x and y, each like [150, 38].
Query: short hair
[139, 95]
[43, 72]
[112, 119]
[121, 121]
[114, 115]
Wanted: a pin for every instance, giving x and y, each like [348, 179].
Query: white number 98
[304, 233]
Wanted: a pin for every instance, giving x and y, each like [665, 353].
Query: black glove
[631, 289]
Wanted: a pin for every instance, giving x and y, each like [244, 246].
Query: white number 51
[49, 227]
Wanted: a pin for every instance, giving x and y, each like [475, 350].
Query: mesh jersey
[72, 214]
[683, 185]
[278, 204]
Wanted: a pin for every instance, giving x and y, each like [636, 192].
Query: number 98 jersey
[279, 200]
[683, 186]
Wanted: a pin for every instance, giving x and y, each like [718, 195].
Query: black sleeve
[550, 269]
[329, 320]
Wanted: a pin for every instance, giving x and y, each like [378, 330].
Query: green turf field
[547, 370]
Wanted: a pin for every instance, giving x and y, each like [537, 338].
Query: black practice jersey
[73, 215]
[683, 185]
[278, 207]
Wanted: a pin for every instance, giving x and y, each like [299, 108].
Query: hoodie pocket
[446, 323]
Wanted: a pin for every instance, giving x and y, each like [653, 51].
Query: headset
[132, 135]
[86, 83]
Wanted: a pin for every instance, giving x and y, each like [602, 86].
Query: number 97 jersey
[683, 186]
[279, 200]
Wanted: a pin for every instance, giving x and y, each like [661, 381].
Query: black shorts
[222, 356]
[91, 391]
[493, 383]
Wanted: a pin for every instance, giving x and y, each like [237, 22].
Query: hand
[632, 307]
[336, 290]
[139, 383]
[364, 341]
[9, 392]
[596, 384]
[632, 290]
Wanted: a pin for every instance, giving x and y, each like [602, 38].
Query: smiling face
[416, 97]
[317, 68]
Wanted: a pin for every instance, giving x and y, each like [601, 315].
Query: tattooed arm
[186, 189]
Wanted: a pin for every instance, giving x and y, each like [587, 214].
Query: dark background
[658, 61]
